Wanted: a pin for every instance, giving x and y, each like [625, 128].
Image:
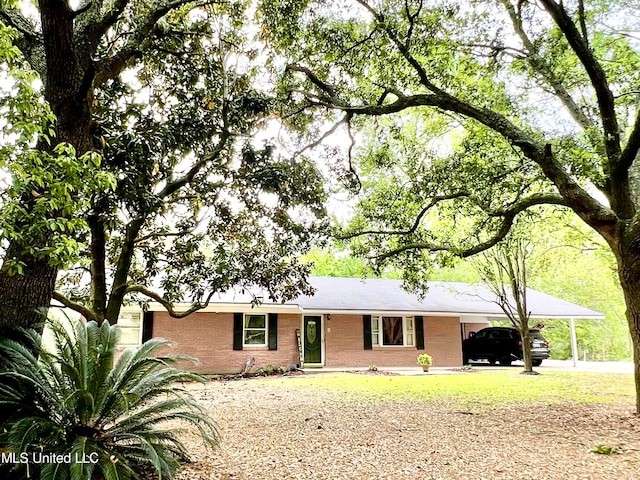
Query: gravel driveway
[275, 429]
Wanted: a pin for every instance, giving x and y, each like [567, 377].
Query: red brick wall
[209, 338]
[442, 340]
[345, 344]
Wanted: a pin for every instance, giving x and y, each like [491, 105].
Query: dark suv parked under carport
[503, 345]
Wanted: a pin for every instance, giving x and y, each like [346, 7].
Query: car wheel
[505, 362]
[492, 360]
[536, 363]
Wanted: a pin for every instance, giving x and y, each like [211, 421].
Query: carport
[541, 307]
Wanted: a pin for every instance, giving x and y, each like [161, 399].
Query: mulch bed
[273, 429]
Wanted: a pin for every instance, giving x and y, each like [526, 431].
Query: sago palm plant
[73, 412]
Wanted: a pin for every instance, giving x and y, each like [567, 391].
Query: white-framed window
[254, 332]
[392, 331]
[130, 325]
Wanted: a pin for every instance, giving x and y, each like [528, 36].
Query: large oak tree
[189, 203]
[512, 105]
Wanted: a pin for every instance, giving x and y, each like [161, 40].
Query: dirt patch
[274, 430]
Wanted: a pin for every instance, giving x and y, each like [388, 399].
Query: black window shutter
[366, 328]
[419, 333]
[273, 331]
[147, 326]
[238, 319]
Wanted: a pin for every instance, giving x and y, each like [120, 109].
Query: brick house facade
[347, 323]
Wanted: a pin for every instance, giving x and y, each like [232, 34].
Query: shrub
[424, 359]
[76, 402]
[270, 370]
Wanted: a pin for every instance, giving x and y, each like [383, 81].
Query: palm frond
[81, 448]
[55, 471]
[73, 399]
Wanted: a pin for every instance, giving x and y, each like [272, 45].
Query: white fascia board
[390, 313]
[568, 317]
[290, 308]
[552, 317]
[229, 308]
[464, 317]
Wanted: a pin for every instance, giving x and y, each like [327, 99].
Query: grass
[485, 388]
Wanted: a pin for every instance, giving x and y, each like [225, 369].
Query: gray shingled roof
[335, 294]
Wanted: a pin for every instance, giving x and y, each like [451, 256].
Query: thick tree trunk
[98, 269]
[629, 272]
[24, 298]
[68, 89]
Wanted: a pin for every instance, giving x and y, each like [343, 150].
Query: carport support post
[574, 341]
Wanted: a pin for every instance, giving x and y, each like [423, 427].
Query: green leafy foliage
[199, 205]
[570, 262]
[603, 449]
[47, 193]
[48, 200]
[124, 417]
[25, 117]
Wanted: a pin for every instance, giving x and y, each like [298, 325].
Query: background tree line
[456, 120]
[577, 268]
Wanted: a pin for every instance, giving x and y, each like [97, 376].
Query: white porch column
[574, 342]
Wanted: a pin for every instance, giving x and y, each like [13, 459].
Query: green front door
[312, 339]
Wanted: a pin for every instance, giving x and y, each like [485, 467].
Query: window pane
[409, 329]
[129, 336]
[375, 324]
[129, 319]
[392, 331]
[409, 321]
[254, 321]
[254, 337]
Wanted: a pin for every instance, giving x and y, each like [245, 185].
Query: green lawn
[484, 388]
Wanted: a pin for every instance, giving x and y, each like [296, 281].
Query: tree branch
[600, 217]
[583, 21]
[166, 303]
[325, 135]
[597, 76]
[86, 312]
[434, 201]
[82, 8]
[91, 26]
[156, 235]
[328, 90]
[403, 48]
[412, 17]
[14, 18]
[111, 67]
[545, 70]
[175, 185]
[508, 216]
[28, 41]
[630, 151]
[580, 201]
[123, 266]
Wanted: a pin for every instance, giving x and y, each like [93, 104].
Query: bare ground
[272, 430]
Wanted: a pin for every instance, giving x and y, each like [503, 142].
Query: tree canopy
[512, 105]
[160, 103]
